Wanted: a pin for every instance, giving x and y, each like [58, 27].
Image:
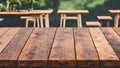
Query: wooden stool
[78, 16]
[64, 17]
[28, 18]
[104, 18]
[93, 24]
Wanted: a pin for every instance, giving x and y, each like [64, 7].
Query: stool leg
[64, 20]
[101, 23]
[26, 23]
[61, 20]
[108, 23]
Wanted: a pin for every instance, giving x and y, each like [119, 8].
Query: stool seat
[26, 17]
[93, 24]
[29, 18]
[104, 18]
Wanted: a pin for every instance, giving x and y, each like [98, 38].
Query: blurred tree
[49, 4]
[13, 4]
[84, 4]
[41, 4]
[29, 4]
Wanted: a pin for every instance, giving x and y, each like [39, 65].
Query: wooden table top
[90, 47]
[72, 11]
[114, 11]
[25, 12]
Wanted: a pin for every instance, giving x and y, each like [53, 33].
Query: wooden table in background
[117, 17]
[64, 16]
[34, 13]
[65, 47]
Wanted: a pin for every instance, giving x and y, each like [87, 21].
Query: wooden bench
[28, 18]
[93, 24]
[33, 13]
[104, 18]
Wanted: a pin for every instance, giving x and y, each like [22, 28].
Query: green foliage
[41, 3]
[80, 4]
[66, 5]
[2, 7]
[94, 3]
[29, 2]
[17, 2]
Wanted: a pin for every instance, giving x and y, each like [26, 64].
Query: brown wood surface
[106, 53]
[61, 47]
[85, 50]
[3, 31]
[12, 51]
[117, 30]
[114, 11]
[63, 53]
[34, 12]
[72, 11]
[36, 50]
[6, 38]
[114, 40]
[104, 18]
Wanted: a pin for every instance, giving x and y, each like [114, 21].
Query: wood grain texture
[85, 50]
[34, 12]
[12, 51]
[63, 53]
[5, 39]
[107, 56]
[3, 31]
[36, 50]
[114, 11]
[117, 30]
[114, 39]
[72, 11]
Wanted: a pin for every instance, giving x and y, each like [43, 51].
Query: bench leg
[41, 21]
[61, 20]
[79, 20]
[47, 20]
[116, 21]
[64, 20]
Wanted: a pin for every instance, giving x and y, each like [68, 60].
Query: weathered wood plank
[36, 50]
[5, 39]
[114, 40]
[3, 31]
[8, 57]
[106, 53]
[85, 50]
[117, 30]
[63, 53]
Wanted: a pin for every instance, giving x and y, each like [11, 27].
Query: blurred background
[95, 7]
